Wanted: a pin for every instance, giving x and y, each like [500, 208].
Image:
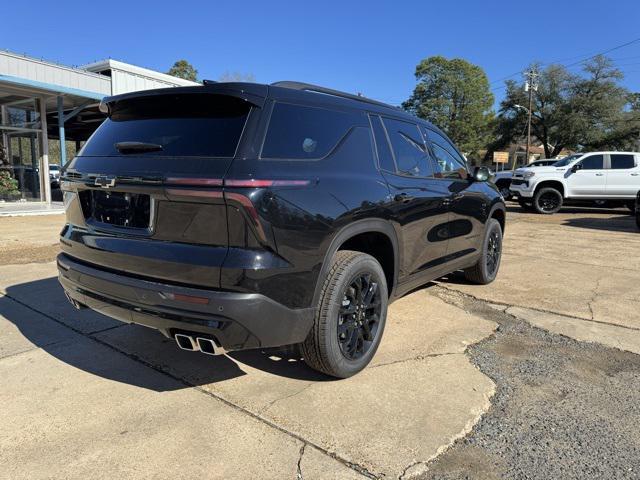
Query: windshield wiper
[137, 147]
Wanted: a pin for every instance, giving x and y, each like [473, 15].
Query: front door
[467, 203]
[589, 179]
[623, 175]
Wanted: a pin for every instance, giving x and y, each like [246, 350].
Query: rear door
[144, 196]
[590, 179]
[418, 202]
[623, 175]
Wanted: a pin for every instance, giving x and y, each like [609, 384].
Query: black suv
[235, 216]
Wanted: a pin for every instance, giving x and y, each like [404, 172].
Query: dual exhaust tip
[201, 344]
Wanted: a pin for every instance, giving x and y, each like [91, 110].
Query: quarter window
[303, 132]
[621, 162]
[450, 163]
[385, 157]
[594, 162]
[409, 149]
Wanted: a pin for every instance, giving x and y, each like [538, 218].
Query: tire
[547, 200]
[323, 349]
[486, 269]
[526, 206]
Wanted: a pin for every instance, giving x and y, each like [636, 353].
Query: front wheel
[547, 200]
[350, 318]
[486, 269]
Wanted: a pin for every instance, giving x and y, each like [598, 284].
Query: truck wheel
[486, 269]
[350, 318]
[547, 200]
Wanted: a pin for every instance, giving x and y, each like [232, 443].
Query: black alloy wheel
[350, 319]
[494, 250]
[359, 316]
[547, 200]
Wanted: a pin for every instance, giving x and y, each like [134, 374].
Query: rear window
[303, 132]
[621, 162]
[183, 125]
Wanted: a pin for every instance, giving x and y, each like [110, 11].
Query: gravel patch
[563, 409]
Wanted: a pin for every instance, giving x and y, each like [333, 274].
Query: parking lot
[470, 381]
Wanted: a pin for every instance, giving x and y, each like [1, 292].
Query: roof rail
[328, 91]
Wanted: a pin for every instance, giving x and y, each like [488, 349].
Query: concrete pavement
[89, 396]
[122, 400]
[576, 273]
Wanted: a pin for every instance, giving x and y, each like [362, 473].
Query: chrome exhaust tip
[76, 304]
[186, 342]
[209, 346]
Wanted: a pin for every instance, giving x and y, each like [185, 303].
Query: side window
[382, 145]
[303, 132]
[450, 163]
[594, 162]
[621, 162]
[409, 149]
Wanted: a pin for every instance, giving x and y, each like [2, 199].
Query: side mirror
[576, 167]
[481, 174]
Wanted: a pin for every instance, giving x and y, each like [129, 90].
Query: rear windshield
[202, 125]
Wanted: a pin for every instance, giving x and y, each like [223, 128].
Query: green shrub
[8, 184]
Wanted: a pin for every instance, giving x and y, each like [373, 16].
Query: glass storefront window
[20, 155]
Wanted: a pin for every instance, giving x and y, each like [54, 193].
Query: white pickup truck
[613, 177]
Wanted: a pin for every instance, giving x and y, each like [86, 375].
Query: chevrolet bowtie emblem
[105, 182]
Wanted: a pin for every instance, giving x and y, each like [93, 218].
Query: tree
[237, 77]
[455, 96]
[183, 69]
[575, 111]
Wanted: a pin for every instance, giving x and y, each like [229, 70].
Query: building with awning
[48, 110]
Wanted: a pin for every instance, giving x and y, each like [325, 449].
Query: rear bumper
[238, 321]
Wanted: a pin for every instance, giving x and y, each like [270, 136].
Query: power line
[578, 62]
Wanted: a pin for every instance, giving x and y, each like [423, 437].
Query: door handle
[635, 174]
[403, 197]
[599, 174]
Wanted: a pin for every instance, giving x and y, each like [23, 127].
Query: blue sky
[367, 46]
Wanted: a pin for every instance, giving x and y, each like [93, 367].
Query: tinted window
[302, 132]
[409, 149]
[183, 125]
[594, 162]
[382, 145]
[619, 162]
[449, 162]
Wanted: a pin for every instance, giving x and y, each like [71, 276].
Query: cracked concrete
[588, 285]
[420, 394]
[421, 391]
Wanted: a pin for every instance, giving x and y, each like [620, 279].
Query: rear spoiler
[253, 93]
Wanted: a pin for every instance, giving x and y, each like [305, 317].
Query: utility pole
[530, 85]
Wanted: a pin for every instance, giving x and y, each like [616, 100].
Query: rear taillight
[248, 183]
[253, 183]
[176, 186]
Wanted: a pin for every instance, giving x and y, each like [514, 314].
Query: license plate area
[117, 209]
